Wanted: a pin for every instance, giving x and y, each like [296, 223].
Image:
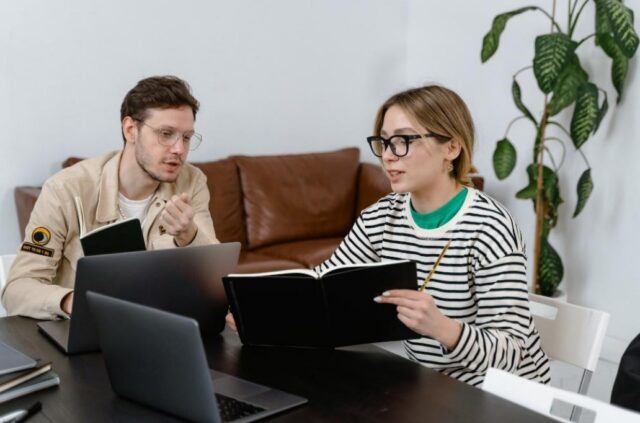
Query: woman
[474, 312]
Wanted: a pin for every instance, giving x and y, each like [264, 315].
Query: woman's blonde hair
[443, 112]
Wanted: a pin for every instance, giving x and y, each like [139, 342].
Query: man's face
[163, 162]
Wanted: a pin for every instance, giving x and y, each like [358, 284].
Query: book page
[307, 272]
[80, 213]
[359, 265]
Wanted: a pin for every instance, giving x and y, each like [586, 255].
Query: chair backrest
[568, 332]
[538, 397]
[5, 265]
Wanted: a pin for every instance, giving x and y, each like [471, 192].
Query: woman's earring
[450, 167]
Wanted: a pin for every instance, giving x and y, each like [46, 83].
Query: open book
[299, 307]
[118, 237]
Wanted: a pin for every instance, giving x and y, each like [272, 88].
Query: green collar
[442, 215]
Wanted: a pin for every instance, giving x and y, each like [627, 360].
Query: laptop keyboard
[231, 409]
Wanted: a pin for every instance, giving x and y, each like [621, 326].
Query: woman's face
[425, 165]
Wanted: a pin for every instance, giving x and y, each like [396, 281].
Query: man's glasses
[168, 137]
[399, 143]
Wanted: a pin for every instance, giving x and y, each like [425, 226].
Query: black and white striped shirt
[481, 282]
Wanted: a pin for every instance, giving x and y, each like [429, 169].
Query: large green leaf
[553, 52]
[504, 158]
[585, 186]
[602, 21]
[517, 99]
[564, 93]
[620, 64]
[602, 112]
[529, 192]
[550, 270]
[621, 23]
[491, 40]
[585, 114]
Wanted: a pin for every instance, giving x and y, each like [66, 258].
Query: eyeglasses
[168, 137]
[399, 143]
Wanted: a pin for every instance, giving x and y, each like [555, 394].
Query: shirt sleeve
[499, 336]
[202, 216]
[355, 248]
[30, 289]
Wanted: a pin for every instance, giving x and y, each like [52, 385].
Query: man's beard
[143, 165]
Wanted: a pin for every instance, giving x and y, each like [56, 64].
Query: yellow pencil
[433, 269]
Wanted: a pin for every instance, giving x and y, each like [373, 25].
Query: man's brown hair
[157, 92]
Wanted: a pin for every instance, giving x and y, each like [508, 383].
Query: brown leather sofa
[288, 211]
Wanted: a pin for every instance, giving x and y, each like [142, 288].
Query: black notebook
[303, 309]
[119, 237]
[122, 236]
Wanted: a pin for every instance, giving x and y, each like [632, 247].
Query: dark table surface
[363, 383]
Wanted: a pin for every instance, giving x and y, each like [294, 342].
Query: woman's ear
[454, 148]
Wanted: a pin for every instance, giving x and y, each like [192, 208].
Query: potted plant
[560, 75]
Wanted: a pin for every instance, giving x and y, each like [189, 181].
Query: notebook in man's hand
[301, 308]
[120, 237]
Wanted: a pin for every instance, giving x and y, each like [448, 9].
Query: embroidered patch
[35, 249]
[40, 236]
[162, 230]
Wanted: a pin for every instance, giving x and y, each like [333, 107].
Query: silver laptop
[186, 281]
[157, 359]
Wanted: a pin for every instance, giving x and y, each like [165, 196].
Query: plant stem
[564, 150]
[521, 70]
[577, 16]
[585, 39]
[514, 120]
[584, 158]
[539, 187]
[551, 18]
[552, 122]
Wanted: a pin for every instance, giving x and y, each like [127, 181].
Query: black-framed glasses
[168, 137]
[399, 143]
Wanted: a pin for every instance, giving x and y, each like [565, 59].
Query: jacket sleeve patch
[40, 236]
[36, 249]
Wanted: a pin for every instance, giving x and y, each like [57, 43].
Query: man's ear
[129, 129]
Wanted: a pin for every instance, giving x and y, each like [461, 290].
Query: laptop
[157, 358]
[185, 281]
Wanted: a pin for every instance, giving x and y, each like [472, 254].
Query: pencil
[435, 266]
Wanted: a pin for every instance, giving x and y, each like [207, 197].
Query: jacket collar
[108, 197]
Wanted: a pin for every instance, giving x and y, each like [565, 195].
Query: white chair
[539, 398]
[5, 265]
[570, 333]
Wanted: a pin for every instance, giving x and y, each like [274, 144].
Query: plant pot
[560, 295]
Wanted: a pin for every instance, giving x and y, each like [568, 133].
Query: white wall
[599, 247]
[272, 77]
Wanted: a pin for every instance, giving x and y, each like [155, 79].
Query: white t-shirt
[134, 208]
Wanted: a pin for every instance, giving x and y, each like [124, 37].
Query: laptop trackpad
[234, 387]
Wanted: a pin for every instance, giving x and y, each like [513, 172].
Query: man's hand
[67, 303]
[231, 323]
[177, 218]
[419, 312]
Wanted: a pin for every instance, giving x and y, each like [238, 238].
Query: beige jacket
[45, 266]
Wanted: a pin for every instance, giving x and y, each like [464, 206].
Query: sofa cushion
[298, 196]
[251, 262]
[226, 200]
[310, 252]
[373, 184]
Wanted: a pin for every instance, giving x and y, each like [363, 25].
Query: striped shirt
[481, 282]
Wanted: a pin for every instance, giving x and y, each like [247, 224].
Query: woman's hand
[231, 323]
[418, 311]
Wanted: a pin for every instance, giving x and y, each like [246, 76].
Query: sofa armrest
[372, 185]
[25, 200]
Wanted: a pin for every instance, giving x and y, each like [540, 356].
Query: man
[149, 179]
